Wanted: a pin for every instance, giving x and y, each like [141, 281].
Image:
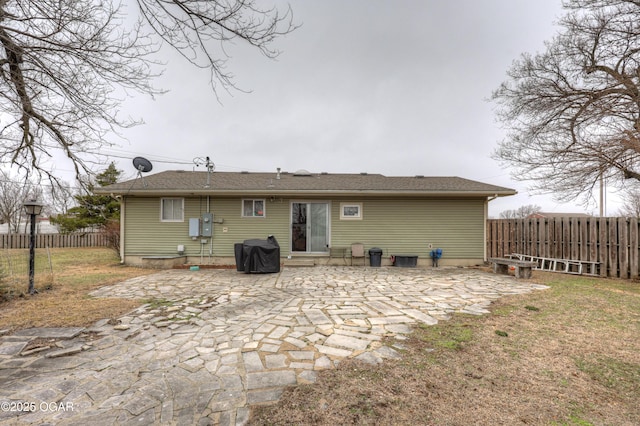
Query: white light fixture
[33, 207]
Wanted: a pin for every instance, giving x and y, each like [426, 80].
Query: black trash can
[238, 248]
[375, 256]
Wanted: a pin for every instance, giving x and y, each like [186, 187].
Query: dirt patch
[565, 356]
[67, 303]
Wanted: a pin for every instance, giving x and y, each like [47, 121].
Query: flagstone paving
[211, 343]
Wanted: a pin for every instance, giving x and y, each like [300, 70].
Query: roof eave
[146, 192]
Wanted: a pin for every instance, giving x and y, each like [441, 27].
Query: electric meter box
[207, 224]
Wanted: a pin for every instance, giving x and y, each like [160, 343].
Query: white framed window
[172, 209]
[350, 211]
[253, 208]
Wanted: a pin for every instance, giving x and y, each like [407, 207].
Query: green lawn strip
[601, 306]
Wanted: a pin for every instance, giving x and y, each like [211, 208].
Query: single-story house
[177, 217]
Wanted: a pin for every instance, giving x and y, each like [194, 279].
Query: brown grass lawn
[569, 355]
[76, 272]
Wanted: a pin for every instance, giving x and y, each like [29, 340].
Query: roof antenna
[199, 161]
[142, 165]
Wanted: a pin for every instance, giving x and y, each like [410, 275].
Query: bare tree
[521, 212]
[65, 66]
[12, 195]
[572, 112]
[60, 198]
[200, 29]
[630, 203]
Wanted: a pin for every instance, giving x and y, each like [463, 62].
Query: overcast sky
[391, 87]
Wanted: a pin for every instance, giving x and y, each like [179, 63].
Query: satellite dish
[142, 165]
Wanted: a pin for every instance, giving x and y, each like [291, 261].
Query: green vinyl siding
[408, 226]
[275, 222]
[397, 225]
[146, 235]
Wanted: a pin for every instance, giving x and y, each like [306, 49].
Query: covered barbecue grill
[258, 256]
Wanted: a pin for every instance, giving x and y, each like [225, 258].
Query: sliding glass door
[309, 227]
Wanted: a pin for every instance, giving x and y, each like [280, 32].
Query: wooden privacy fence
[612, 241]
[87, 239]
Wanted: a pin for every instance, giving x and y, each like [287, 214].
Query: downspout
[122, 239]
[486, 218]
[212, 232]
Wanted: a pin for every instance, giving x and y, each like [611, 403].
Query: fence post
[574, 239]
[494, 239]
[623, 247]
[613, 247]
[593, 239]
[633, 248]
[584, 239]
[603, 247]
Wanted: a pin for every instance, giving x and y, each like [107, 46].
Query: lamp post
[33, 208]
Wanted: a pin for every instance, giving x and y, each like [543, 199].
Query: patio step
[299, 262]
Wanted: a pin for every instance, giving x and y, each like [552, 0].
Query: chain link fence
[14, 272]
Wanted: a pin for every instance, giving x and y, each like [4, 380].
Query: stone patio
[215, 342]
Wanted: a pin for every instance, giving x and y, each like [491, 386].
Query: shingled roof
[180, 182]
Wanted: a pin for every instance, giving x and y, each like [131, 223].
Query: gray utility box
[194, 227]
